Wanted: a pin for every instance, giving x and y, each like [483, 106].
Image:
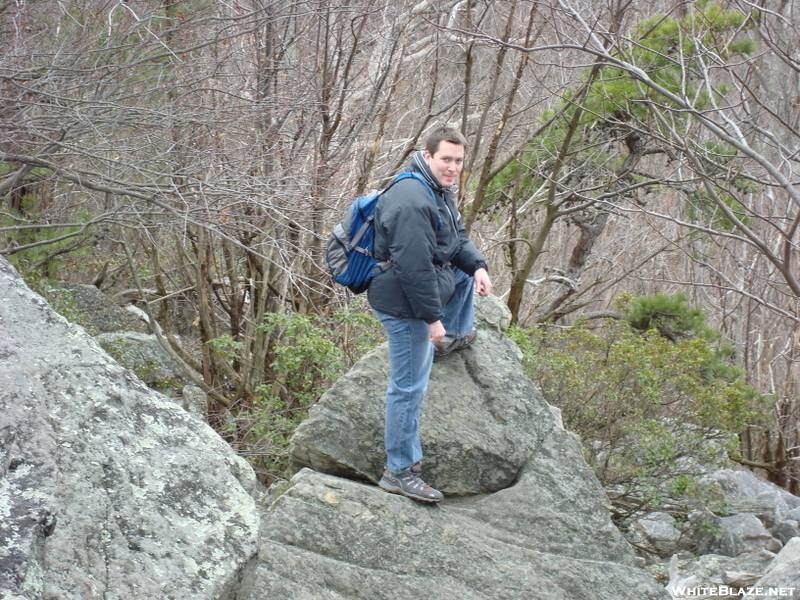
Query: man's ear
[427, 155]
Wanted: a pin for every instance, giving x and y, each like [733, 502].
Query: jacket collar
[419, 165]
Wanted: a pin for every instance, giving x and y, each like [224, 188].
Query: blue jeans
[410, 358]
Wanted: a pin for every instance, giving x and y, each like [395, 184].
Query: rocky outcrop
[108, 490]
[123, 332]
[757, 575]
[753, 548]
[523, 517]
[327, 537]
[758, 515]
[481, 421]
[783, 573]
[143, 354]
[97, 312]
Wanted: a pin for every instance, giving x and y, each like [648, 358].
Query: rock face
[755, 548]
[330, 538]
[481, 421]
[784, 572]
[523, 518]
[98, 312]
[108, 490]
[143, 354]
[744, 493]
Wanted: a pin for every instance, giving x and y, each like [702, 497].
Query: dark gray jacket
[420, 234]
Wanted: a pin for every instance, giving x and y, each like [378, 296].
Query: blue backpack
[350, 244]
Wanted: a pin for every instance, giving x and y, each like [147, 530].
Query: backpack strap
[387, 264]
[360, 234]
[416, 176]
[368, 220]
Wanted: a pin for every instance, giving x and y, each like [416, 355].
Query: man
[425, 299]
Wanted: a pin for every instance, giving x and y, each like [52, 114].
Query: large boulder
[760, 516]
[739, 534]
[523, 517]
[481, 420]
[143, 354]
[107, 489]
[331, 538]
[658, 533]
[743, 492]
[738, 551]
[90, 307]
[783, 573]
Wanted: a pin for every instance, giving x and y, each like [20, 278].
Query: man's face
[446, 163]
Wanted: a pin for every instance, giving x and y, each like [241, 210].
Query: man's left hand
[483, 285]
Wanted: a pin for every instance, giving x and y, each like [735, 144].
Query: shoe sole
[398, 490]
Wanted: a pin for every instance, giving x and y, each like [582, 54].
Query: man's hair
[444, 134]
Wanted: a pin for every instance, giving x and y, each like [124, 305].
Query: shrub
[306, 355]
[653, 414]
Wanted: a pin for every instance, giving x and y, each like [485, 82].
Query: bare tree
[203, 150]
[700, 88]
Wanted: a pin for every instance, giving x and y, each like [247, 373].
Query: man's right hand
[436, 330]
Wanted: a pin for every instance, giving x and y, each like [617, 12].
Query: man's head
[444, 153]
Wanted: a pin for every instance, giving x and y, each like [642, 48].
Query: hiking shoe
[442, 349]
[409, 483]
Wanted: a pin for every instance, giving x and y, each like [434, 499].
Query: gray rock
[195, 400]
[786, 530]
[523, 517]
[659, 532]
[143, 354]
[738, 579]
[108, 490]
[713, 570]
[481, 420]
[95, 311]
[742, 533]
[743, 493]
[731, 536]
[783, 573]
[774, 545]
[327, 537]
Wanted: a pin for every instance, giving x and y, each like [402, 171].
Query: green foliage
[226, 347]
[23, 228]
[652, 413]
[306, 355]
[671, 51]
[670, 315]
[356, 332]
[702, 209]
[304, 358]
[710, 528]
[720, 159]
